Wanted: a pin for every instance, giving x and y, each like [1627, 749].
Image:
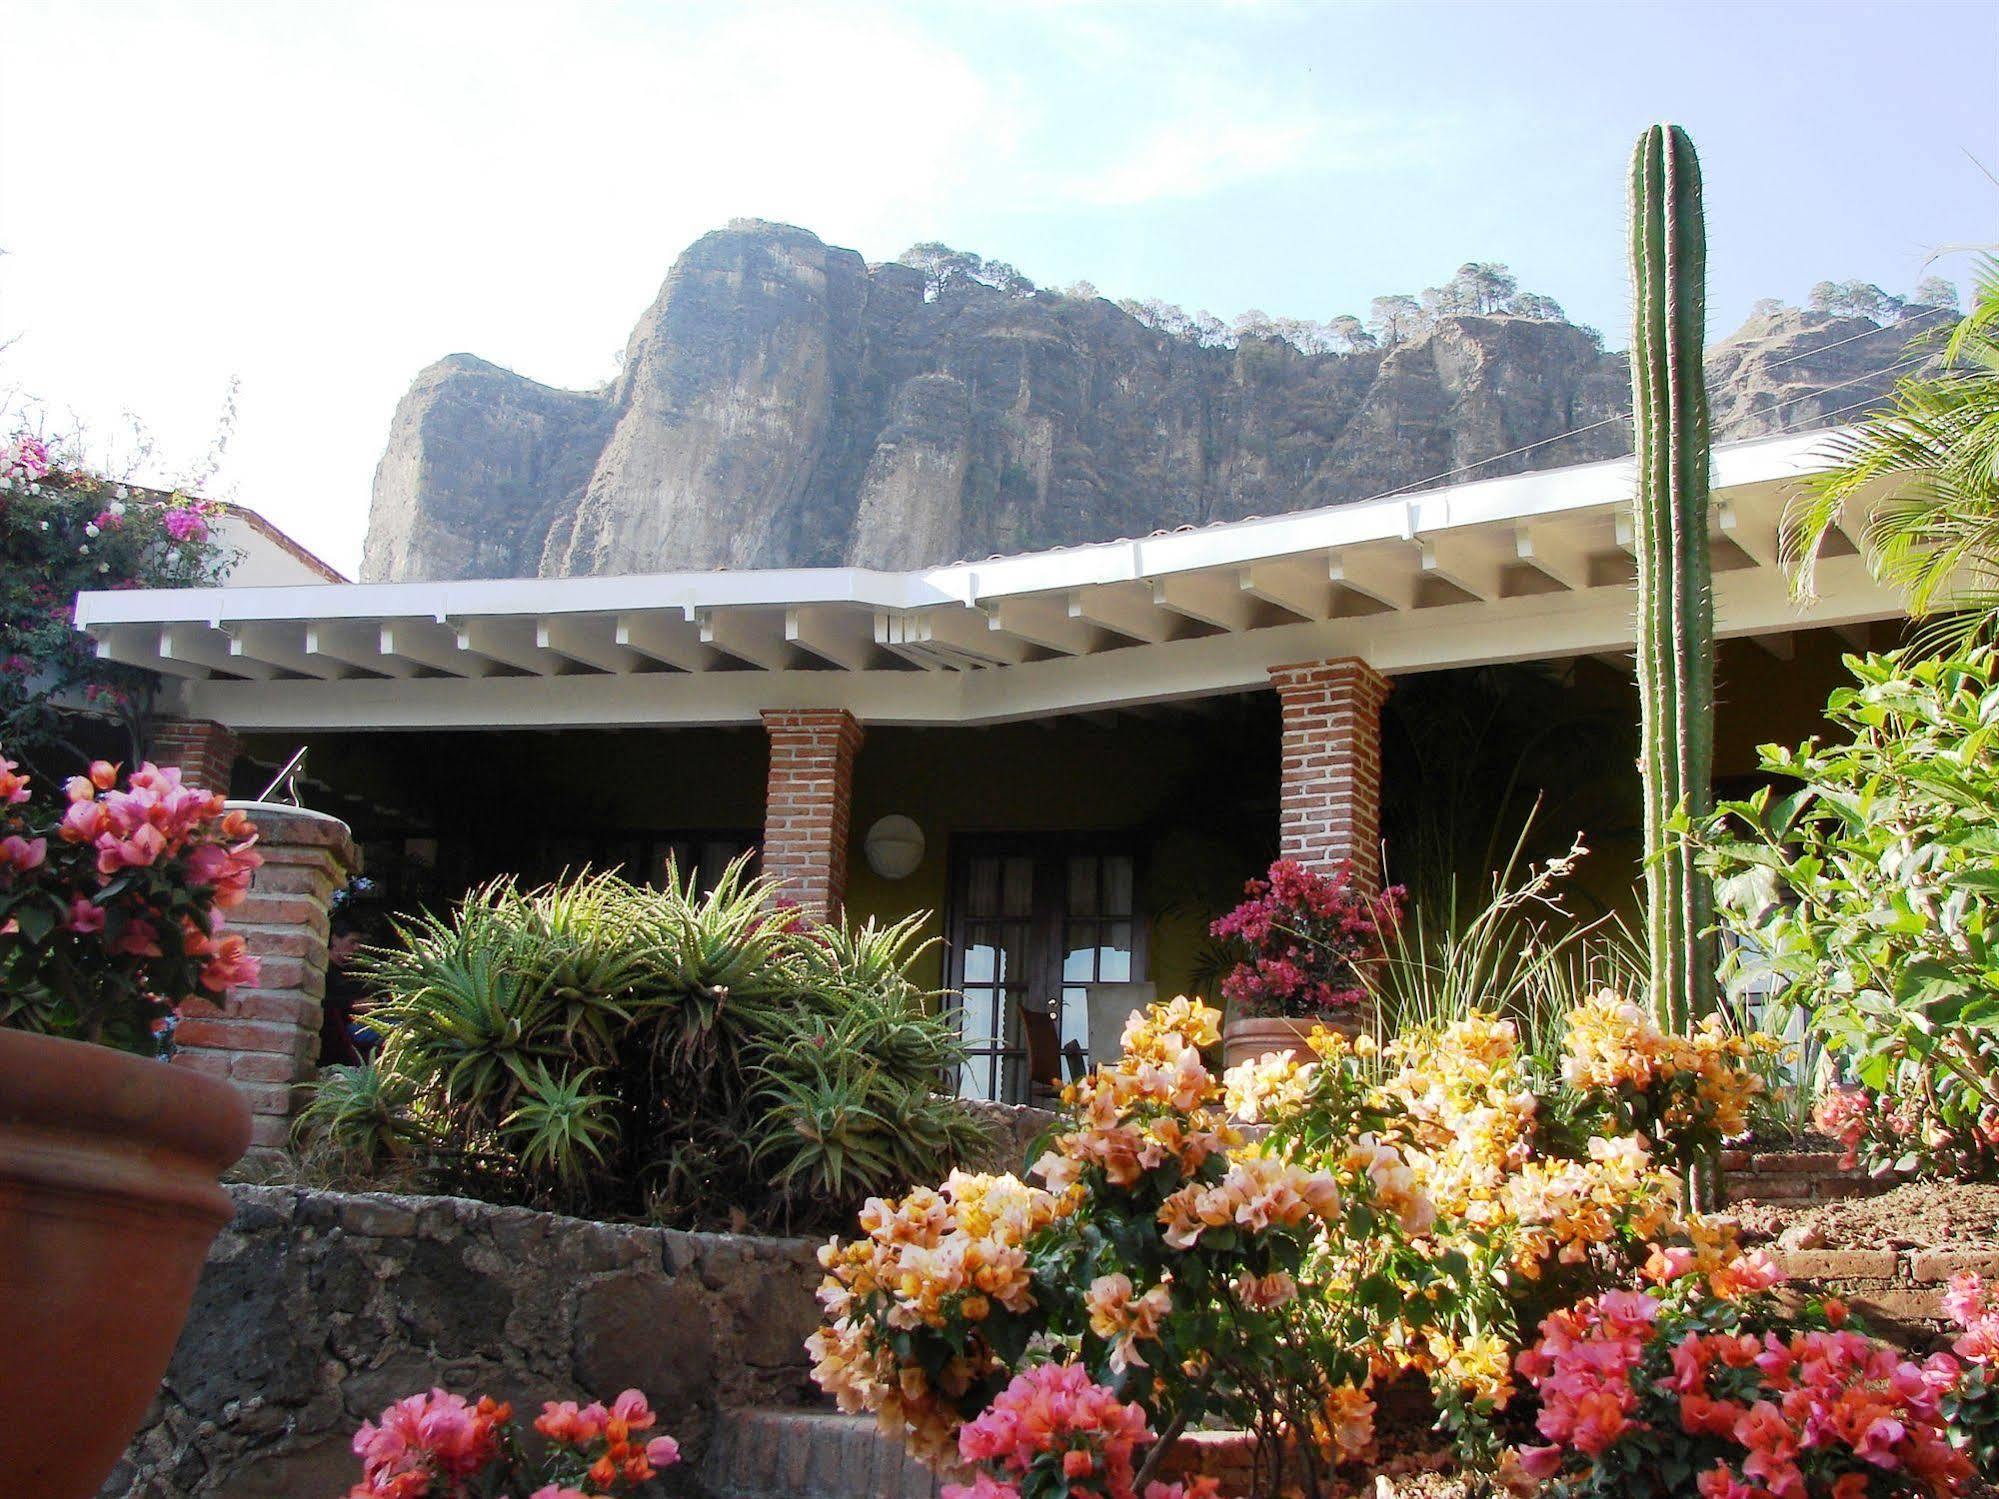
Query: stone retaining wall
[318, 1308]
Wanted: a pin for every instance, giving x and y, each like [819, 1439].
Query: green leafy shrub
[598, 1047]
[1871, 891]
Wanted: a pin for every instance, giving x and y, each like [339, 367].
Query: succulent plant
[1675, 595]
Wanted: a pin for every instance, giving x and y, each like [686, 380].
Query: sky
[310, 202]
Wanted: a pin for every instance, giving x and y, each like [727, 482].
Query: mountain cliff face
[783, 403]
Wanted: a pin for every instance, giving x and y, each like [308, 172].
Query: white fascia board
[1578, 488]
[1527, 627]
[485, 597]
[1605, 485]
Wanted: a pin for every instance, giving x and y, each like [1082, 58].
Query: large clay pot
[1247, 1036]
[108, 1204]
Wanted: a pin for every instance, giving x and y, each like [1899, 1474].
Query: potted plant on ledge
[110, 915]
[1301, 936]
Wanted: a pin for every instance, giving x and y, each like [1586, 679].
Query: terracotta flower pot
[1247, 1036]
[108, 1203]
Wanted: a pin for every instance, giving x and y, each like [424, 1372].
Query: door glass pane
[1018, 891]
[1079, 962]
[1117, 886]
[1114, 957]
[1075, 1023]
[976, 1017]
[981, 957]
[1082, 886]
[715, 860]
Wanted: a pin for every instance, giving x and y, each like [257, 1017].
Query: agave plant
[696, 1056]
[361, 1117]
[561, 1130]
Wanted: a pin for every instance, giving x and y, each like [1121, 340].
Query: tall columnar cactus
[1675, 599]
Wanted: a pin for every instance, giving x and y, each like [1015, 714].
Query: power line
[1907, 362]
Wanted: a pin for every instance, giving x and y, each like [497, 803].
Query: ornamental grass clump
[111, 910]
[598, 1047]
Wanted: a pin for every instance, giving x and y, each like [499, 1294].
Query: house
[1072, 758]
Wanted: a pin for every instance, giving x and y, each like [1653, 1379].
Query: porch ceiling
[1533, 565]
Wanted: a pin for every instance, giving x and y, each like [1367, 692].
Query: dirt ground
[1921, 1215]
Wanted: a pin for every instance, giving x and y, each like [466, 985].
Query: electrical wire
[1908, 362]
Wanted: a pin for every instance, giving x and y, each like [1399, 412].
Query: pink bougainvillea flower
[23, 854]
[13, 785]
[185, 523]
[85, 916]
[662, 1452]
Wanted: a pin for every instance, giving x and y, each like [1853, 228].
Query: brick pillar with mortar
[1331, 770]
[265, 1039]
[808, 804]
[204, 751]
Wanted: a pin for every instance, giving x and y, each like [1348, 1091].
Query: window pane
[1082, 886]
[982, 898]
[1012, 952]
[1117, 886]
[1018, 888]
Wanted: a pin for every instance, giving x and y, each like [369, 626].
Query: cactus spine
[1675, 599]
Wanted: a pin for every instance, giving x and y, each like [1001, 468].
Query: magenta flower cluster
[1303, 935]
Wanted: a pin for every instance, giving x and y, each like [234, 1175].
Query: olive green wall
[1199, 794]
[1198, 790]
[1197, 787]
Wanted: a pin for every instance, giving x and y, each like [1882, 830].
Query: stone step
[790, 1453]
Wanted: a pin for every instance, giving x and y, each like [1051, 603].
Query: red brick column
[266, 1039]
[1331, 778]
[204, 751]
[808, 803]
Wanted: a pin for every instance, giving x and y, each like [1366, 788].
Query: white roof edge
[1606, 483]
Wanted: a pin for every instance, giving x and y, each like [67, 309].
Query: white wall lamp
[894, 847]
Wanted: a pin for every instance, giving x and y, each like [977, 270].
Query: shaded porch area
[1063, 853]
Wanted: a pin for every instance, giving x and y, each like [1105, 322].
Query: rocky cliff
[783, 403]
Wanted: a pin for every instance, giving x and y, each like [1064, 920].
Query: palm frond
[1927, 466]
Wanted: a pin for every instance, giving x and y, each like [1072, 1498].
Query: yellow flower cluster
[1258, 1192]
[1344, 1430]
[1266, 1087]
[1154, 1104]
[1124, 1319]
[1563, 1208]
[1481, 1365]
[1466, 1112]
[928, 1260]
[1613, 1043]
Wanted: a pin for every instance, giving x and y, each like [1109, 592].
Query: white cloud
[321, 199]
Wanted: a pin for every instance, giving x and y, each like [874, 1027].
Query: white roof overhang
[1528, 566]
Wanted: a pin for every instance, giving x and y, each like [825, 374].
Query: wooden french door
[1034, 919]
